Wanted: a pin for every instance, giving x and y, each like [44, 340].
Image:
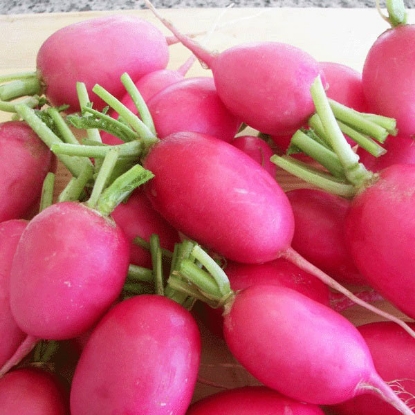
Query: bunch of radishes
[173, 200]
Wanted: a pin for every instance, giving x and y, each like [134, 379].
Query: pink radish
[97, 50]
[155, 346]
[192, 104]
[251, 400]
[392, 57]
[380, 247]
[258, 149]
[261, 324]
[265, 84]
[10, 232]
[32, 391]
[201, 180]
[64, 249]
[25, 161]
[385, 339]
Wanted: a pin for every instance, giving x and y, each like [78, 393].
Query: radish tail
[379, 386]
[294, 257]
[21, 352]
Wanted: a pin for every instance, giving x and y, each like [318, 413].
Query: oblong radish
[200, 180]
[69, 267]
[80, 52]
[265, 84]
[262, 324]
[154, 348]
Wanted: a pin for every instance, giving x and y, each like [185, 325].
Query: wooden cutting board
[340, 35]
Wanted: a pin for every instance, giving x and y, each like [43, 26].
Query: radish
[265, 84]
[391, 57]
[251, 400]
[155, 346]
[97, 50]
[258, 149]
[192, 104]
[10, 232]
[262, 323]
[319, 233]
[383, 340]
[25, 161]
[32, 391]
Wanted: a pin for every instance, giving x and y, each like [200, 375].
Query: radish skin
[261, 324]
[155, 346]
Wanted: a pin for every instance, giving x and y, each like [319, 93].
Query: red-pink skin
[388, 77]
[251, 400]
[306, 345]
[385, 339]
[98, 51]
[137, 217]
[193, 105]
[258, 149]
[10, 232]
[142, 358]
[219, 196]
[277, 272]
[344, 85]
[25, 161]
[400, 149]
[32, 391]
[69, 267]
[379, 231]
[265, 84]
[319, 233]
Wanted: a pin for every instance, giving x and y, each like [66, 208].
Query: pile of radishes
[173, 218]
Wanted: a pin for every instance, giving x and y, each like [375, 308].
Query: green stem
[47, 191]
[137, 273]
[365, 125]
[73, 164]
[127, 115]
[121, 188]
[397, 14]
[138, 102]
[314, 176]
[318, 152]
[30, 102]
[75, 188]
[157, 263]
[20, 88]
[130, 149]
[103, 177]
[83, 97]
[354, 171]
[65, 132]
